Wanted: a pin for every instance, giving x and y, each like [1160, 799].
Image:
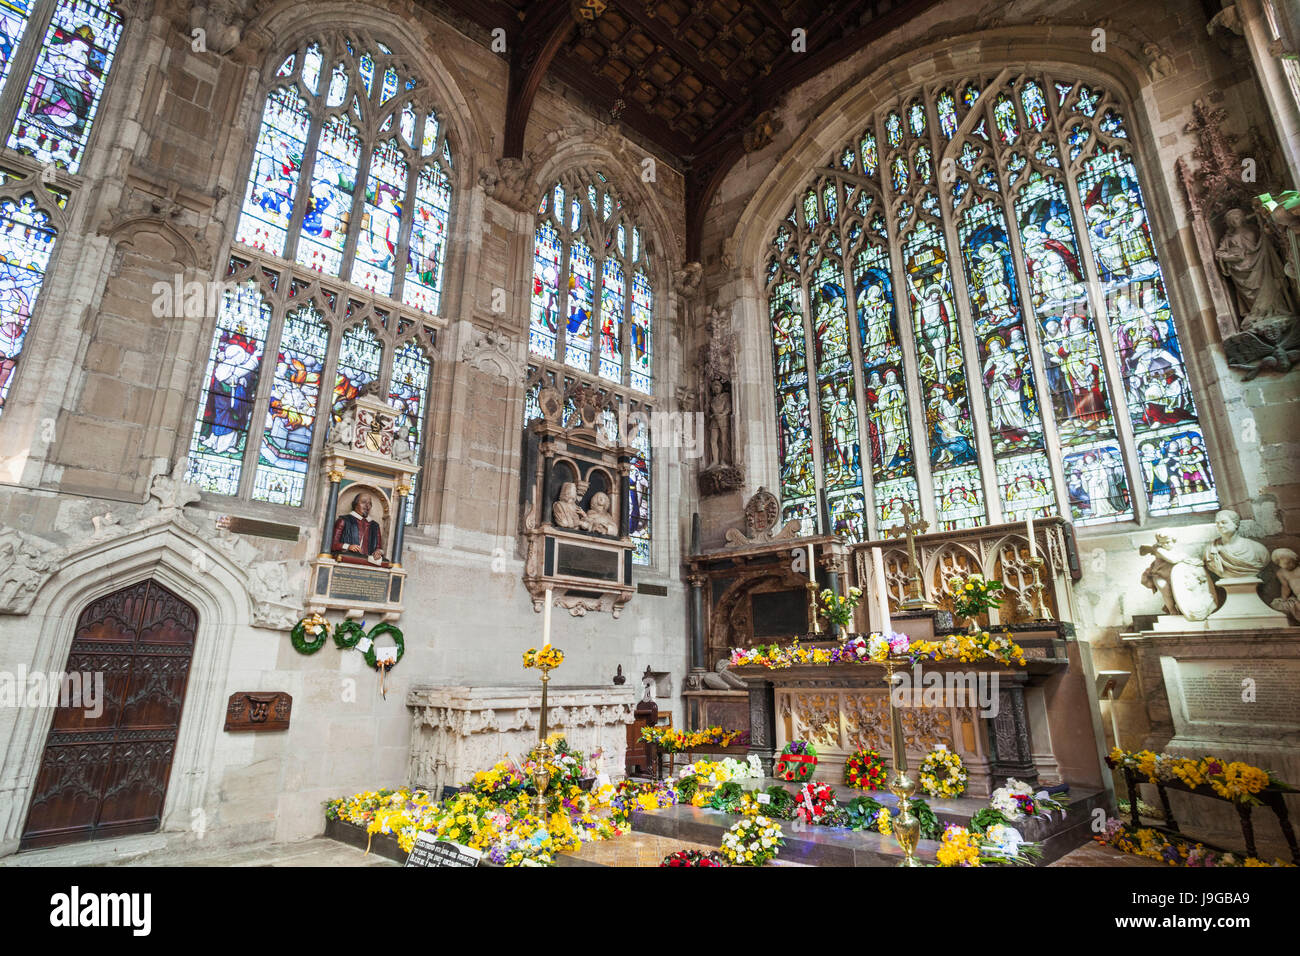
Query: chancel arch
[969, 314]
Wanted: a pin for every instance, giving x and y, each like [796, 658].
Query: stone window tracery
[969, 315]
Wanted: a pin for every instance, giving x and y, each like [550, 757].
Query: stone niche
[457, 731]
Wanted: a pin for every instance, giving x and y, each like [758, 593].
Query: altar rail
[998, 552]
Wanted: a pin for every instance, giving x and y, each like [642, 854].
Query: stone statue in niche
[599, 518]
[1246, 256]
[719, 423]
[357, 539]
[1288, 575]
[566, 511]
[1233, 555]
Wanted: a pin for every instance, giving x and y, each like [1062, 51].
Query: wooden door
[107, 776]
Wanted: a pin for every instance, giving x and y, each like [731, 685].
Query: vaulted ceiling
[693, 77]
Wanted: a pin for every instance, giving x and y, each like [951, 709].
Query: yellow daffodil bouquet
[973, 594]
[838, 608]
[548, 658]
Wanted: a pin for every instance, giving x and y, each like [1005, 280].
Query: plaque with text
[430, 851]
[1264, 693]
[359, 584]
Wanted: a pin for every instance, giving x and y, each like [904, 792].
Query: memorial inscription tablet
[1264, 693]
[359, 584]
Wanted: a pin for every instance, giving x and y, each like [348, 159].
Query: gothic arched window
[55, 57]
[337, 268]
[591, 265]
[969, 315]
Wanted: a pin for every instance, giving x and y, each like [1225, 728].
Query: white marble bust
[1233, 555]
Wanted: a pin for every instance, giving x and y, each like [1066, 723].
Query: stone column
[399, 526]
[331, 510]
[698, 665]
[624, 495]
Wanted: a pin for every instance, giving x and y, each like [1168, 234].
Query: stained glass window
[27, 237]
[62, 95]
[349, 180]
[373, 206]
[590, 266]
[1012, 311]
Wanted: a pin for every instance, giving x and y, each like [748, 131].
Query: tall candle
[812, 563]
[1029, 530]
[881, 589]
[546, 620]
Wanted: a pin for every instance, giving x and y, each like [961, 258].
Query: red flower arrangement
[797, 761]
[692, 858]
[814, 800]
[865, 770]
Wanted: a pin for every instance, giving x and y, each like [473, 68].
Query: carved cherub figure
[1288, 575]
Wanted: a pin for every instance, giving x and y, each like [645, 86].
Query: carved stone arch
[416, 37]
[17, 189]
[574, 147]
[165, 553]
[126, 232]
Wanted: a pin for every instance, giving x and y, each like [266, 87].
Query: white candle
[812, 563]
[1029, 530]
[881, 589]
[546, 620]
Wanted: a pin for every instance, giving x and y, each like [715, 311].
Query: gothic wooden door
[106, 775]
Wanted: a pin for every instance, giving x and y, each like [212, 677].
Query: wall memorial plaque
[258, 711]
[359, 584]
[430, 851]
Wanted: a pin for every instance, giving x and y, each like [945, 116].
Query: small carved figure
[1179, 579]
[1288, 575]
[403, 447]
[566, 511]
[345, 429]
[1159, 64]
[599, 518]
[1247, 257]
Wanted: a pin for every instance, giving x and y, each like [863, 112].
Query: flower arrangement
[958, 847]
[504, 781]
[548, 658]
[1155, 845]
[1017, 800]
[644, 797]
[797, 761]
[670, 740]
[563, 763]
[729, 798]
[942, 773]
[814, 802]
[1231, 780]
[693, 858]
[752, 841]
[865, 770]
[838, 608]
[973, 594]
[876, 648]
[781, 803]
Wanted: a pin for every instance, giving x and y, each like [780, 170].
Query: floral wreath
[752, 842]
[693, 858]
[942, 774]
[372, 659]
[865, 770]
[797, 761]
[815, 800]
[317, 627]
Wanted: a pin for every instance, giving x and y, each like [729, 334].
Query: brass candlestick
[541, 775]
[814, 626]
[1038, 564]
[906, 825]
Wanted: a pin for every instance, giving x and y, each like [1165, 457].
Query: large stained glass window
[351, 173]
[592, 302]
[968, 315]
[339, 251]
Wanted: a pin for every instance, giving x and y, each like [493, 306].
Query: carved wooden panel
[105, 773]
[258, 711]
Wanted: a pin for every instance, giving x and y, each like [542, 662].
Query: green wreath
[348, 633]
[304, 645]
[392, 630]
